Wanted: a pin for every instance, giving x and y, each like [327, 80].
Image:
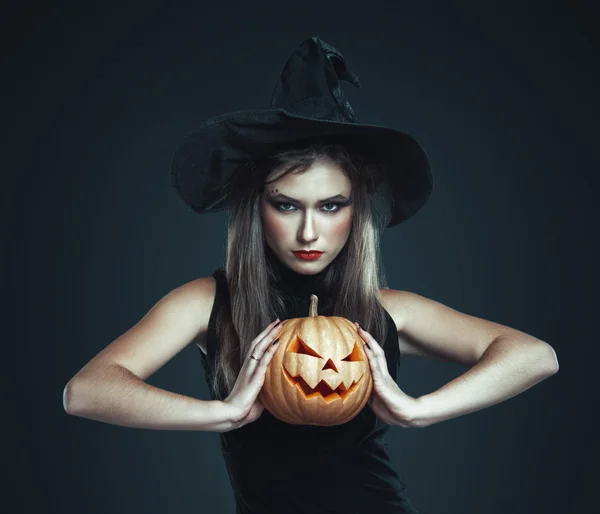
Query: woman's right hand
[243, 399]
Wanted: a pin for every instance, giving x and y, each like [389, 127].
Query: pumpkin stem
[312, 310]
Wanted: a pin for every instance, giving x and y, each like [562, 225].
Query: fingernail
[276, 341]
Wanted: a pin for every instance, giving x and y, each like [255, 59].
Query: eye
[279, 204]
[337, 206]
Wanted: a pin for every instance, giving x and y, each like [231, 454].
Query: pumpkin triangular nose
[330, 365]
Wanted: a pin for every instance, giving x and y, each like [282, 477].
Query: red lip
[302, 254]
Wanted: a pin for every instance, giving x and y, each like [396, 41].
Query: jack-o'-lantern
[320, 373]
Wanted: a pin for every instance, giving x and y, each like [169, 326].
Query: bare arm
[116, 395]
[112, 388]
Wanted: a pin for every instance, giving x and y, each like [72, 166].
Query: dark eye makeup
[339, 206]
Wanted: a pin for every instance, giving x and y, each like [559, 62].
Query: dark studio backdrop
[501, 95]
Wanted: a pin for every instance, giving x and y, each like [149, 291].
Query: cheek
[343, 226]
[274, 227]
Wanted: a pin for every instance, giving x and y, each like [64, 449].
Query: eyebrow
[281, 196]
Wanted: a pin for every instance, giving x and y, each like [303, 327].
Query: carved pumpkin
[320, 373]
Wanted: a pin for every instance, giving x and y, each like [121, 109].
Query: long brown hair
[355, 275]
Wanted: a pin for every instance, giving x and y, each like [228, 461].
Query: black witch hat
[308, 104]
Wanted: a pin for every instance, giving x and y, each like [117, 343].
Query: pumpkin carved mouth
[322, 389]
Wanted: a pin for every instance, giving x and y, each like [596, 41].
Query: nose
[308, 231]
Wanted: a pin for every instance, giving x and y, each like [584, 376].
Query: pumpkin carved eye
[354, 355]
[299, 346]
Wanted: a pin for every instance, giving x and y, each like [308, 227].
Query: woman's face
[309, 218]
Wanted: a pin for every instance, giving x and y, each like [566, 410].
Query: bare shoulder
[193, 302]
[204, 289]
[197, 297]
[387, 300]
[396, 302]
[392, 300]
[399, 304]
[428, 328]
[176, 320]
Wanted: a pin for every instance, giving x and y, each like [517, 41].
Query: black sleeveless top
[276, 467]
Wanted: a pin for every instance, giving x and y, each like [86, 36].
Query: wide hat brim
[210, 157]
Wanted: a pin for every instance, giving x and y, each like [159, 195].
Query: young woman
[309, 192]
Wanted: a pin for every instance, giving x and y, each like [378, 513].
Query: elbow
[72, 397]
[550, 358]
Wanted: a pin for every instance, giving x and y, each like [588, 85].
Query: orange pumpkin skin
[320, 373]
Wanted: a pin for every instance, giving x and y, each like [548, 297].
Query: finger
[365, 345]
[375, 346]
[269, 353]
[257, 369]
[373, 364]
[370, 356]
[269, 350]
[265, 333]
[254, 350]
[269, 339]
[263, 364]
[374, 351]
[259, 350]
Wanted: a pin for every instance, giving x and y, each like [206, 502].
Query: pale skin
[503, 361]
[309, 223]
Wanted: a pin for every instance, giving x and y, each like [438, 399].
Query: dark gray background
[502, 95]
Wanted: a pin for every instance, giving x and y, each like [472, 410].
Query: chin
[309, 267]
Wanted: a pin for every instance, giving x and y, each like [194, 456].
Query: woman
[303, 175]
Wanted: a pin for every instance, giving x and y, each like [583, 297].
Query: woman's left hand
[387, 400]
